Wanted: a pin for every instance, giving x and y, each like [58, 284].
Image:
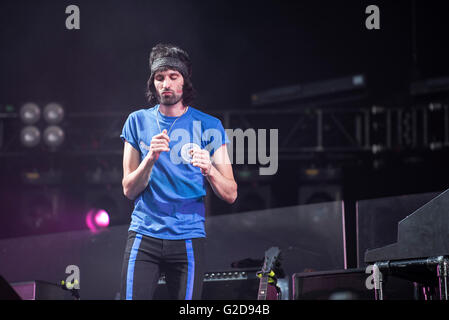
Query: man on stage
[171, 150]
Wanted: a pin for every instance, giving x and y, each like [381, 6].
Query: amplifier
[222, 276]
[241, 284]
[221, 285]
[40, 290]
[347, 284]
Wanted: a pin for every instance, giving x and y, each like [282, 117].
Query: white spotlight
[53, 113]
[30, 136]
[53, 136]
[30, 113]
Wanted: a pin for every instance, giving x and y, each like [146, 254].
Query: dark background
[237, 48]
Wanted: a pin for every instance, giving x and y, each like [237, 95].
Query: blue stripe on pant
[131, 263]
[190, 270]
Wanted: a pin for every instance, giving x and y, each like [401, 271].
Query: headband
[169, 62]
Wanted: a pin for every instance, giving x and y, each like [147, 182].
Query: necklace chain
[157, 119]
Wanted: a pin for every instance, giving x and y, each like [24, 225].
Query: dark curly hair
[168, 50]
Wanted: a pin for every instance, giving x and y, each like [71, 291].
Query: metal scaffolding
[302, 132]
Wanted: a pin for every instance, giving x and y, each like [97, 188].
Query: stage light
[102, 218]
[30, 136]
[53, 113]
[97, 220]
[30, 113]
[53, 136]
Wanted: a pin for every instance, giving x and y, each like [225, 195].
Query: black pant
[145, 258]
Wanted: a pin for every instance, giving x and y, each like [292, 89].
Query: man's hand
[159, 143]
[201, 159]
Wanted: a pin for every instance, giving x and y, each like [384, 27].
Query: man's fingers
[201, 157]
[159, 148]
[158, 143]
[200, 154]
[157, 140]
[199, 165]
[205, 167]
[200, 162]
[162, 135]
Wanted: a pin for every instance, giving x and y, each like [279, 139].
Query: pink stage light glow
[102, 218]
[96, 220]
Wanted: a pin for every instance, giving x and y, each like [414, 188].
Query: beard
[169, 100]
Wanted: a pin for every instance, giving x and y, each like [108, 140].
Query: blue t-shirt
[172, 205]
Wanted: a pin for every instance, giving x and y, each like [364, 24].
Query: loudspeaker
[41, 290]
[6, 291]
[346, 285]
